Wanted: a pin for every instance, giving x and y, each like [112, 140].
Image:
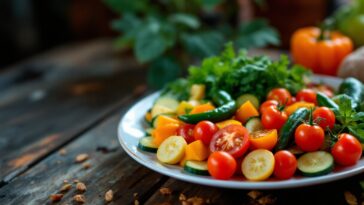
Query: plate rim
[234, 184]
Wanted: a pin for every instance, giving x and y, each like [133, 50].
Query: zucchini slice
[147, 144]
[315, 163]
[172, 150]
[248, 97]
[254, 124]
[196, 167]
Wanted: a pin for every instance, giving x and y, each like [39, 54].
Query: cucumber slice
[248, 97]
[172, 150]
[168, 102]
[254, 124]
[148, 132]
[315, 163]
[196, 167]
[147, 144]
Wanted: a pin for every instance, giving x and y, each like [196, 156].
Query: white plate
[132, 128]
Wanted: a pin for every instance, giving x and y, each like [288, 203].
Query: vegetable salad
[237, 115]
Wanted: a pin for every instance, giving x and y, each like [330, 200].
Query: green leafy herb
[349, 119]
[178, 89]
[238, 74]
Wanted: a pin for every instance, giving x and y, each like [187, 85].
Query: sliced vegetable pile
[237, 115]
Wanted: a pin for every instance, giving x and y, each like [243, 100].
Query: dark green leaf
[257, 33]
[122, 6]
[188, 20]
[359, 116]
[126, 23]
[203, 44]
[211, 3]
[162, 71]
[153, 40]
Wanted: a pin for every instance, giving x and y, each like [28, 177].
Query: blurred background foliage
[169, 34]
[183, 31]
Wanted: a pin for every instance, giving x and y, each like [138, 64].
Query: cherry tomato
[347, 150]
[324, 117]
[186, 131]
[273, 118]
[233, 139]
[285, 164]
[204, 131]
[267, 104]
[307, 95]
[263, 139]
[221, 165]
[282, 95]
[309, 138]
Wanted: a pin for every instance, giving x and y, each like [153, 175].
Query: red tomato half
[285, 164]
[309, 138]
[347, 150]
[186, 131]
[307, 95]
[267, 104]
[233, 139]
[273, 118]
[282, 95]
[221, 165]
[324, 117]
[204, 131]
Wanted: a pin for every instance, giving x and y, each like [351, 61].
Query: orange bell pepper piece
[165, 119]
[202, 108]
[246, 111]
[163, 132]
[292, 108]
[195, 151]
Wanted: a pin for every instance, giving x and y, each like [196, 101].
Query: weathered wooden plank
[325, 194]
[109, 170]
[40, 115]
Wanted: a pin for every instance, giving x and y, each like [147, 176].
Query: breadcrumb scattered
[81, 187]
[66, 187]
[109, 195]
[254, 194]
[195, 201]
[267, 200]
[56, 197]
[86, 165]
[81, 158]
[165, 191]
[350, 198]
[182, 197]
[62, 152]
[79, 198]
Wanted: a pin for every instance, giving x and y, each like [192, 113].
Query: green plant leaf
[203, 44]
[162, 71]
[210, 3]
[122, 6]
[257, 33]
[153, 39]
[184, 19]
[126, 23]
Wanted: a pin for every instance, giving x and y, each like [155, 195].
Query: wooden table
[66, 102]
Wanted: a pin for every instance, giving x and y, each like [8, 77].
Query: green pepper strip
[325, 101]
[226, 109]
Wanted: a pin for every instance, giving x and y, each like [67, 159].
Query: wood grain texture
[325, 194]
[64, 99]
[111, 169]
